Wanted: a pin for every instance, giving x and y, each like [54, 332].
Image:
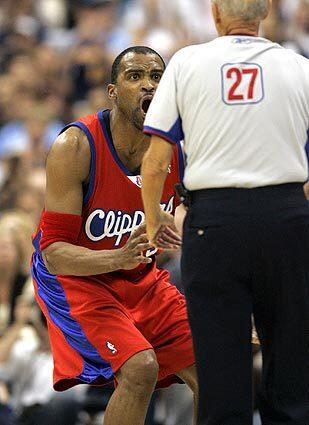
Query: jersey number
[242, 83]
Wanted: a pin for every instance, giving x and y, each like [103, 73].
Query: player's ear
[112, 91]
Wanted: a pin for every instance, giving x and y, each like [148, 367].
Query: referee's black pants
[247, 251]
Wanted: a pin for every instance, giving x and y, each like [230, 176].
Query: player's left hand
[162, 233]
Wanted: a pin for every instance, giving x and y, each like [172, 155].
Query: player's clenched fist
[132, 252]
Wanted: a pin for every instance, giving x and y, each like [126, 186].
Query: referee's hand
[306, 190]
[162, 232]
[169, 239]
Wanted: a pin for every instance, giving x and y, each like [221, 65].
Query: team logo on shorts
[111, 347]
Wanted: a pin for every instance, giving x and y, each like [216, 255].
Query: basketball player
[111, 313]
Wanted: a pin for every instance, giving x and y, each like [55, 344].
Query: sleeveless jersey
[112, 204]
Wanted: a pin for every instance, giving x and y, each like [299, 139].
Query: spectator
[6, 413]
[26, 364]
[15, 253]
[299, 31]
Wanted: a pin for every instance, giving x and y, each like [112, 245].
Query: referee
[241, 105]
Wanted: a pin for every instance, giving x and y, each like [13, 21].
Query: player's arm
[68, 166]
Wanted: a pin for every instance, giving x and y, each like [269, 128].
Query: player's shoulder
[71, 140]
[70, 147]
[70, 154]
[74, 137]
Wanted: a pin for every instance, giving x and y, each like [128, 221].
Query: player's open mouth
[145, 103]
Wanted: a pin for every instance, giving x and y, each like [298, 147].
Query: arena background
[55, 59]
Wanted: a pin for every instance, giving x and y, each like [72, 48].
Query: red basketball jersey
[113, 206]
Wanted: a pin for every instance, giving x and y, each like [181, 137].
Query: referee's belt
[183, 194]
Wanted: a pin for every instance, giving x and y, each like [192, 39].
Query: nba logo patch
[137, 180]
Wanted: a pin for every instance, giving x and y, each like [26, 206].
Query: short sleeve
[163, 118]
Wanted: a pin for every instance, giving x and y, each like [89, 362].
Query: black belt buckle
[183, 194]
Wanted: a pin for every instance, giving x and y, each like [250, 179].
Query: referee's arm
[154, 171]
[164, 124]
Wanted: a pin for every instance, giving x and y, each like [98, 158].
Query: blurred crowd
[55, 60]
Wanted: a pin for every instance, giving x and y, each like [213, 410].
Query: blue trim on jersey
[174, 135]
[36, 241]
[92, 171]
[154, 132]
[307, 146]
[181, 161]
[111, 145]
[52, 294]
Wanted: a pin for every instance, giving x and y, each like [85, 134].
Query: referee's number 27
[242, 83]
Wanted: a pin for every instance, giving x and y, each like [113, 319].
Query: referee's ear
[216, 13]
[112, 91]
[270, 3]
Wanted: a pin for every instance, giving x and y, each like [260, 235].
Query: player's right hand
[132, 252]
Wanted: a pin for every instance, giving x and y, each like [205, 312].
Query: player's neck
[126, 136]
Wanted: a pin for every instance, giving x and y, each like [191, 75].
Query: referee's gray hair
[249, 10]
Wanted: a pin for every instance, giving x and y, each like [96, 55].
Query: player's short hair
[248, 10]
[142, 50]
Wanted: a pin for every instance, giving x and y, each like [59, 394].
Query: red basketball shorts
[95, 326]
